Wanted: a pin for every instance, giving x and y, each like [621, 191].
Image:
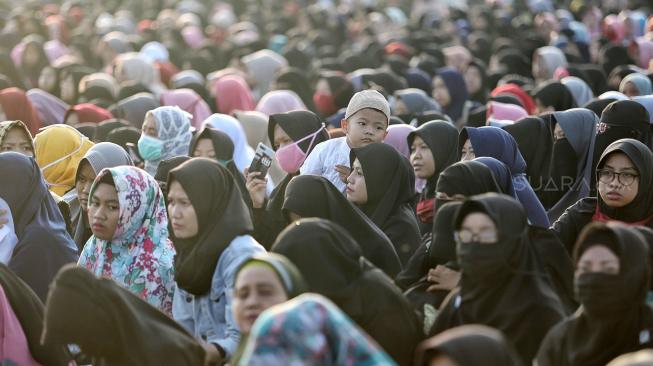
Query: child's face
[365, 127]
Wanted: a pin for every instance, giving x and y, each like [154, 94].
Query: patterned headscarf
[140, 255]
[173, 125]
[310, 329]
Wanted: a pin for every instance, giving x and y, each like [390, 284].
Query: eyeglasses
[467, 236]
[607, 176]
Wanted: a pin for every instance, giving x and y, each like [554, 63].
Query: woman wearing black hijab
[456, 182]
[210, 231]
[382, 185]
[501, 285]
[112, 326]
[612, 284]
[44, 245]
[553, 96]
[625, 175]
[217, 145]
[535, 141]
[333, 265]
[28, 310]
[314, 196]
[467, 345]
[597, 105]
[293, 135]
[433, 147]
[625, 119]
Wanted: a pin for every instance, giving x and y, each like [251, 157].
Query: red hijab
[17, 106]
[519, 93]
[87, 112]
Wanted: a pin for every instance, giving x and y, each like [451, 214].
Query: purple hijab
[51, 109]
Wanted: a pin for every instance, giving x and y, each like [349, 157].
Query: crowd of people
[450, 183]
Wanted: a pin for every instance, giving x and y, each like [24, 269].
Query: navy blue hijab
[499, 144]
[457, 91]
[44, 245]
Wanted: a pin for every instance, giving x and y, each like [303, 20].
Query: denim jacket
[208, 317]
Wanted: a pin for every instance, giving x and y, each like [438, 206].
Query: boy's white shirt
[324, 158]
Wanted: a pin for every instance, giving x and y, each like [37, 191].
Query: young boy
[366, 121]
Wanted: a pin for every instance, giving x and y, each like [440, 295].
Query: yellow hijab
[59, 148]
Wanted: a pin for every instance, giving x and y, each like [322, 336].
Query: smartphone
[262, 160]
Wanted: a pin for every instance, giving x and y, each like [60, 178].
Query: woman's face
[467, 152]
[281, 138]
[256, 289]
[618, 191]
[149, 126]
[181, 212]
[441, 92]
[400, 107]
[104, 211]
[204, 149]
[17, 140]
[48, 79]
[68, 89]
[356, 188]
[473, 79]
[85, 177]
[598, 259]
[421, 158]
[478, 227]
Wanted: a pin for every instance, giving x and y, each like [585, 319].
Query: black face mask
[598, 293]
[406, 117]
[482, 262]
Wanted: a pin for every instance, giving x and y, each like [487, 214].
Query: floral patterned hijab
[140, 256]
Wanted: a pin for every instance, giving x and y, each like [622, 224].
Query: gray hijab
[135, 107]
[100, 156]
[579, 126]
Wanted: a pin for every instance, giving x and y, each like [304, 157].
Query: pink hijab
[14, 349]
[189, 101]
[232, 93]
[645, 52]
[505, 112]
[397, 137]
[280, 101]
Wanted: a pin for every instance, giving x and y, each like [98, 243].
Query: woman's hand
[443, 278]
[256, 188]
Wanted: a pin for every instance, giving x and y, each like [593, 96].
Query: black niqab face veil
[614, 314]
[501, 285]
[389, 179]
[221, 213]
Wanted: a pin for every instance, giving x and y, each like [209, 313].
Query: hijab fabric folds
[222, 216]
[113, 326]
[579, 126]
[22, 324]
[139, 256]
[314, 196]
[232, 93]
[17, 106]
[243, 153]
[59, 148]
[501, 285]
[43, 245]
[614, 318]
[189, 101]
[173, 126]
[333, 265]
[100, 156]
[51, 110]
[496, 143]
[310, 330]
